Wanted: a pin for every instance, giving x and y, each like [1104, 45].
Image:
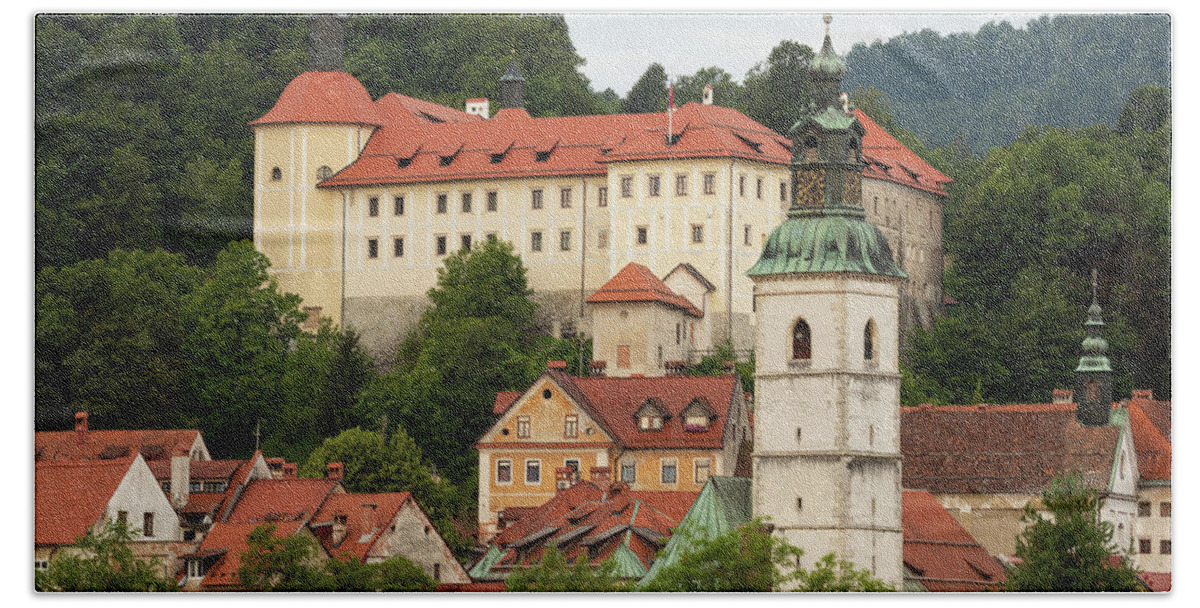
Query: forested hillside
[987, 87]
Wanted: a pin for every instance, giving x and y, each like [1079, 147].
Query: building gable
[540, 415]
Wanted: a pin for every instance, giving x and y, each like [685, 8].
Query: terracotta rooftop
[69, 497]
[1151, 424]
[111, 445]
[613, 402]
[1001, 448]
[229, 541]
[890, 160]
[364, 522]
[504, 400]
[272, 500]
[1156, 581]
[240, 478]
[197, 469]
[323, 97]
[939, 553]
[636, 283]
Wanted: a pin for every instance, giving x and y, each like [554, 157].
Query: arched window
[869, 341]
[801, 341]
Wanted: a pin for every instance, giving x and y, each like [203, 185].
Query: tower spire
[512, 85]
[1093, 376]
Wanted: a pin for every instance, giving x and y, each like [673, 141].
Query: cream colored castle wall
[1155, 528]
[911, 220]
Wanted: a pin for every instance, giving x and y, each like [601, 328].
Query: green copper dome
[827, 61]
[828, 239]
[1095, 348]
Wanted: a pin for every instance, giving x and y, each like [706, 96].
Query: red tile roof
[636, 283]
[361, 530]
[197, 469]
[236, 486]
[613, 402]
[1001, 448]
[282, 499]
[229, 541]
[504, 400]
[1152, 445]
[69, 497]
[939, 553]
[889, 160]
[1156, 581]
[108, 445]
[323, 97]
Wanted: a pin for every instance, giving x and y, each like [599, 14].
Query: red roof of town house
[1001, 448]
[636, 283]
[69, 497]
[1152, 444]
[229, 540]
[197, 469]
[323, 97]
[613, 402]
[109, 445]
[240, 478]
[364, 522]
[1156, 581]
[888, 159]
[282, 499]
[939, 553]
[504, 400]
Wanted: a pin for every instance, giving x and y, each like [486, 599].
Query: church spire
[1093, 376]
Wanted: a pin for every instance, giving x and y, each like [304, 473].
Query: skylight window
[403, 163]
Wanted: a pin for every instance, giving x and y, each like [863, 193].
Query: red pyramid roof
[635, 283]
[323, 97]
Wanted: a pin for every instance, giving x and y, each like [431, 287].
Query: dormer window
[650, 422]
[697, 416]
[651, 416]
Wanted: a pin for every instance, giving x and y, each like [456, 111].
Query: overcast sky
[619, 47]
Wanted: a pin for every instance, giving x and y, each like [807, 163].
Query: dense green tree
[552, 574]
[277, 563]
[726, 91]
[714, 365]
[104, 562]
[390, 575]
[1070, 551]
[649, 93]
[777, 91]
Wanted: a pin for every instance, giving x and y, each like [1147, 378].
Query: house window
[626, 187]
[437, 572]
[504, 471]
[398, 206]
[602, 239]
[654, 185]
[398, 247]
[535, 241]
[466, 202]
[1144, 509]
[571, 426]
[441, 245]
[1164, 509]
[741, 185]
[195, 486]
[1164, 547]
[536, 199]
[1144, 545]
[623, 356]
[746, 234]
[123, 518]
[643, 235]
[441, 203]
[147, 524]
[710, 183]
[869, 341]
[703, 468]
[629, 471]
[681, 185]
[41, 564]
[523, 427]
[650, 422]
[572, 463]
[783, 192]
[564, 240]
[670, 470]
[373, 206]
[276, 174]
[533, 472]
[801, 341]
[758, 188]
[564, 197]
[372, 248]
[602, 196]
[466, 242]
[697, 233]
[492, 201]
[212, 487]
[695, 423]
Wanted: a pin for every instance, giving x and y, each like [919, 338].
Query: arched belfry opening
[869, 341]
[801, 341]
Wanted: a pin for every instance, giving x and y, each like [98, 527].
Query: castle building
[357, 201]
[827, 461]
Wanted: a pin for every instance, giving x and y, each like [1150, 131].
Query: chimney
[339, 527]
[478, 107]
[558, 365]
[708, 95]
[597, 368]
[565, 478]
[601, 475]
[1143, 393]
[334, 471]
[1064, 395]
[289, 470]
[81, 426]
[181, 468]
[325, 38]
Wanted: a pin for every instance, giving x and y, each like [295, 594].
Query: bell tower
[1093, 376]
[827, 434]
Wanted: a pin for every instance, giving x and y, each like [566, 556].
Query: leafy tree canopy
[777, 91]
[103, 562]
[552, 574]
[649, 93]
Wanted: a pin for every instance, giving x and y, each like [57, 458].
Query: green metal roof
[827, 61]
[482, 571]
[827, 239]
[723, 505]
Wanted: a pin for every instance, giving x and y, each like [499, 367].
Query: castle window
[441, 245]
[678, 333]
[623, 355]
[466, 202]
[564, 240]
[504, 471]
[373, 206]
[643, 234]
[372, 248]
[710, 183]
[1164, 509]
[602, 196]
[276, 174]
[697, 233]
[602, 239]
[783, 192]
[324, 173]
[441, 203]
[571, 428]
[654, 185]
[398, 206]
[492, 201]
[681, 185]
[535, 241]
[1144, 509]
[869, 341]
[746, 234]
[801, 341]
[536, 199]
[523, 427]
[626, 187]
[741, 185]
[1144, 545]
[564, 197]
[758, 188]
[1164, 547]
[670, 471]
[466, 242]
[398, 247]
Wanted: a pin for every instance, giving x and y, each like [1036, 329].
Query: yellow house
[656, 434]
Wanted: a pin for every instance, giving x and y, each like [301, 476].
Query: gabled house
[73, 497]
[210, 486]
[1150, 421]
[90, 444]
[659, 434]
[374, 527]
[214, 565]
